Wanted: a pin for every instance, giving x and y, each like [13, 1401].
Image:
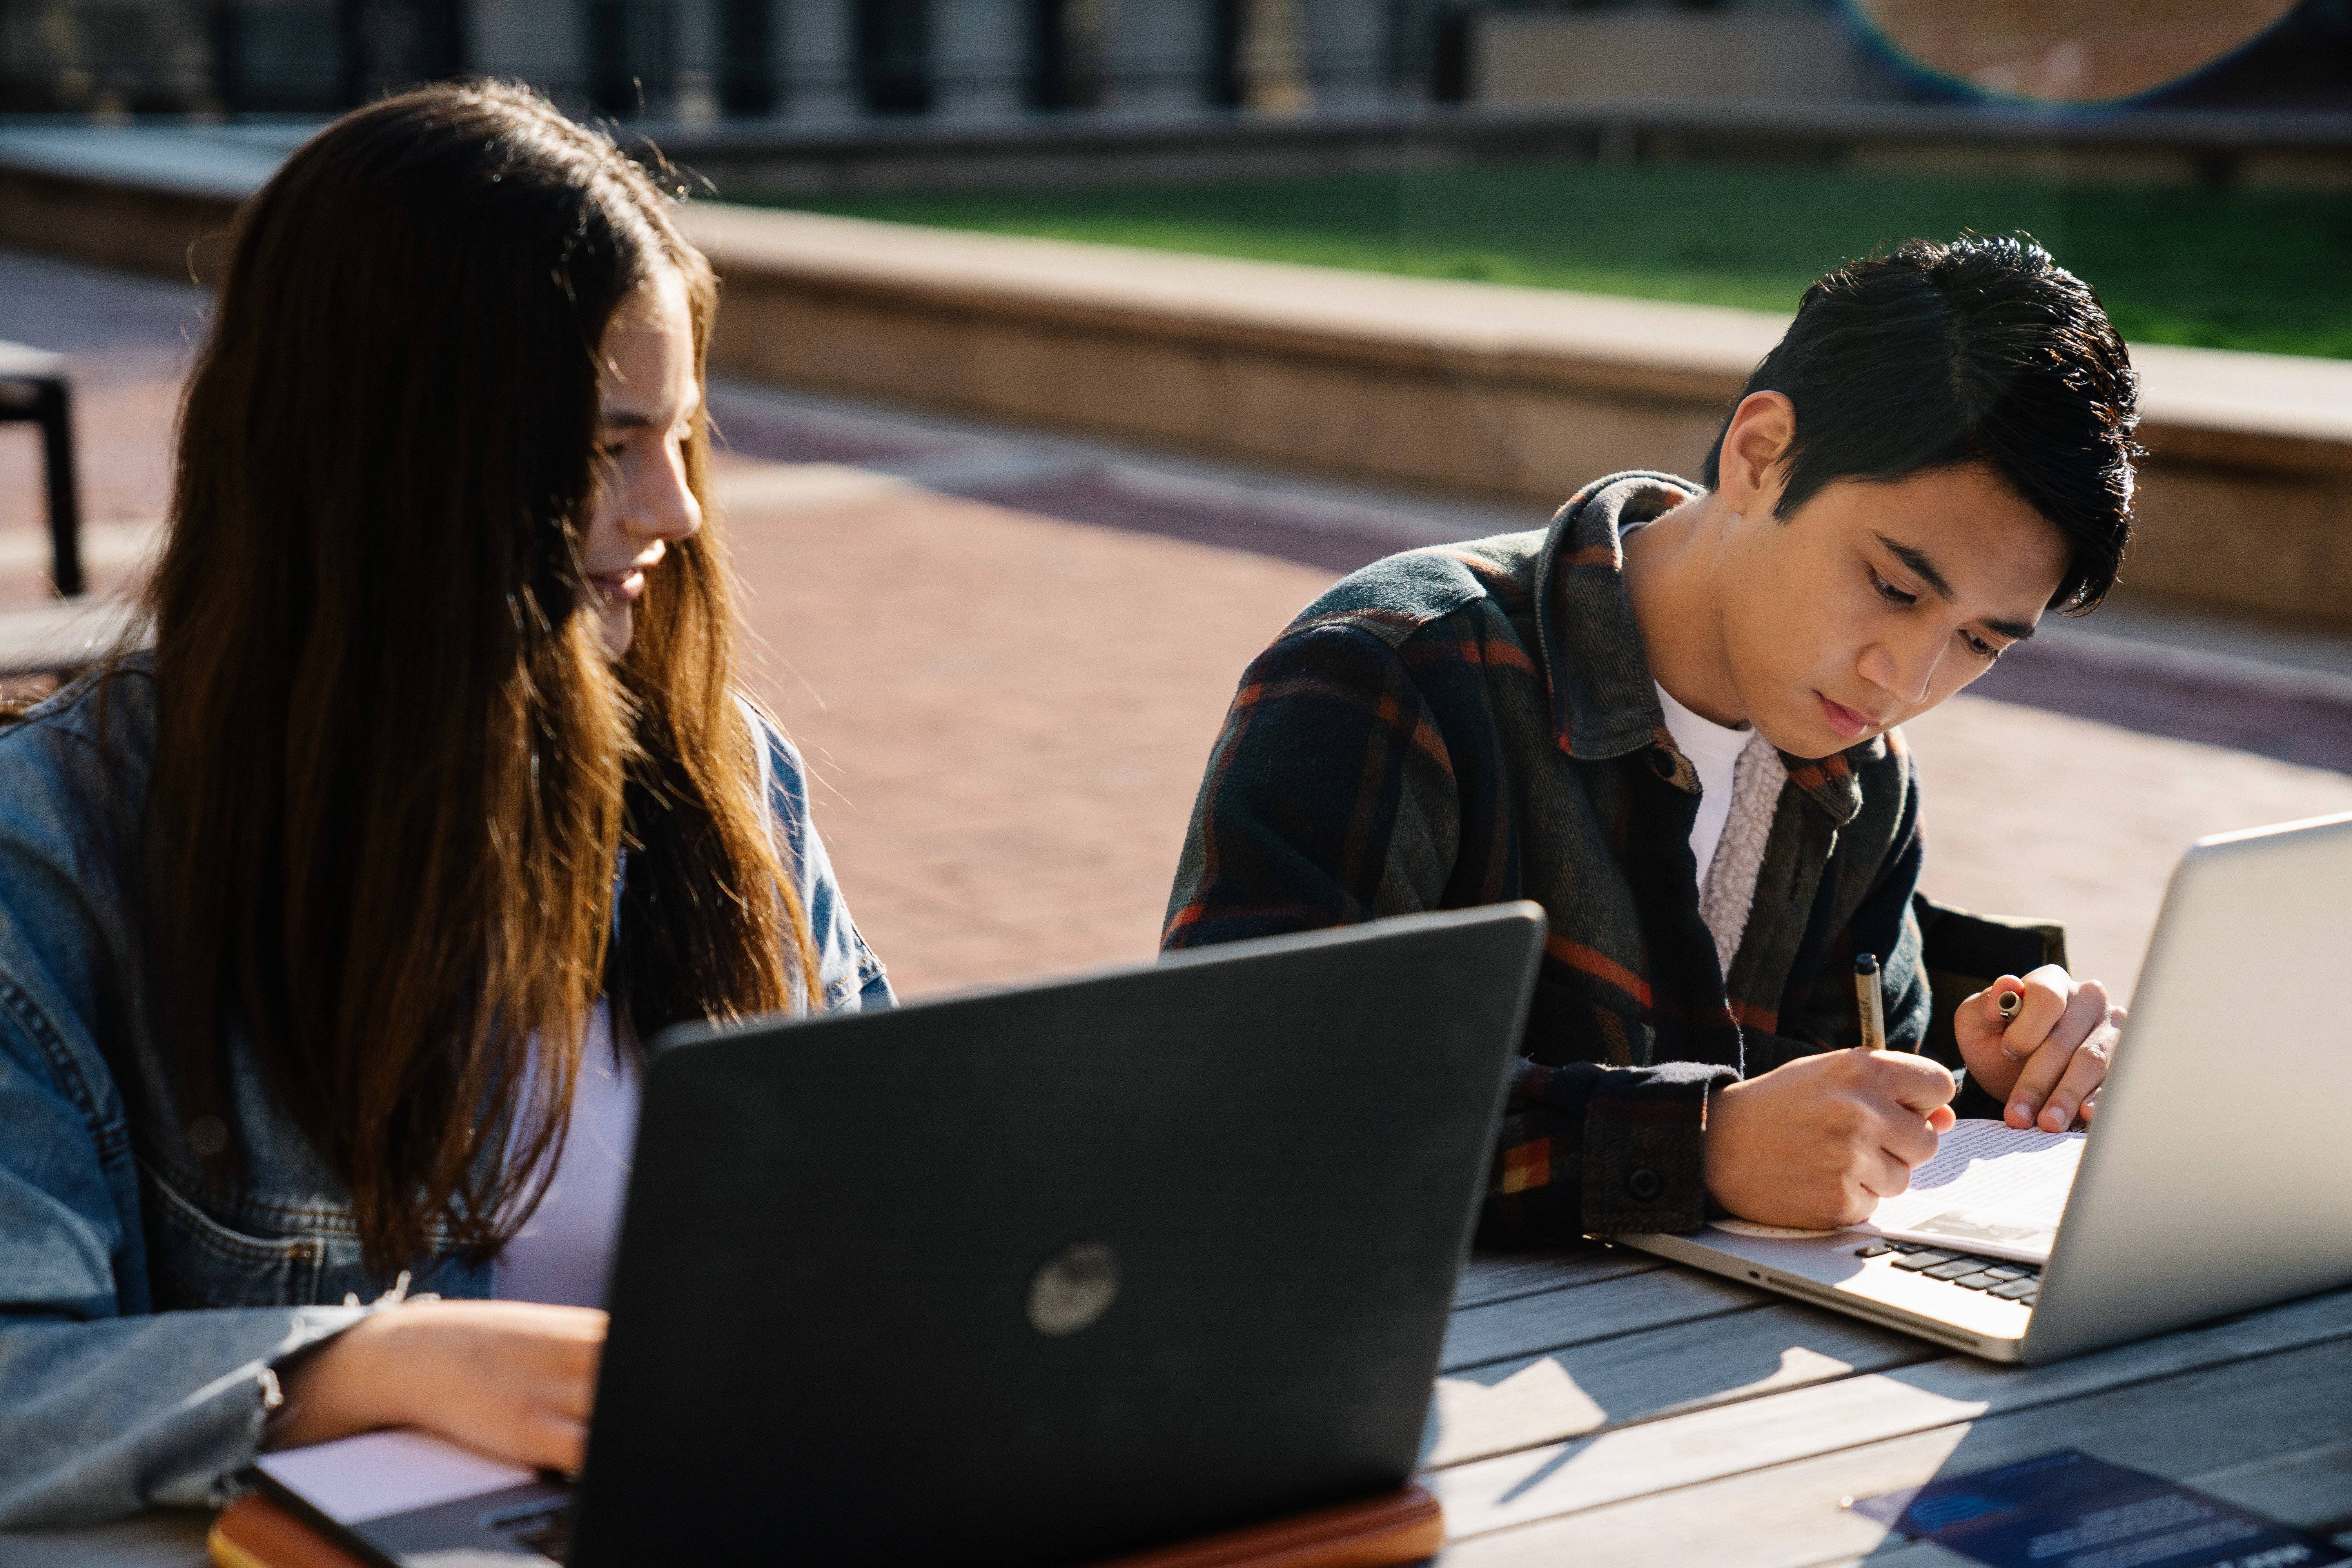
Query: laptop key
[1925, 1259]
[2016, 1290]
[1875, 1249]
[2007, 1271]
[1982, 1279]
[1957, 1266]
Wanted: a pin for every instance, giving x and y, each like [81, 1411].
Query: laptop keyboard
[2018, 1282]
[541, 1527]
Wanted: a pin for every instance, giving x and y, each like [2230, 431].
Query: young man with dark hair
[1671, 719]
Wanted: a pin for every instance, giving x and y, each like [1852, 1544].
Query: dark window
[1449, 54]
[746, 54]
[894, 56]
[1228, 23]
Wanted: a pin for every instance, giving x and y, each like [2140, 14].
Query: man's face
[1873, 603]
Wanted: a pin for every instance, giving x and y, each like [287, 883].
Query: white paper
[378, 1474]
[1991, 1189]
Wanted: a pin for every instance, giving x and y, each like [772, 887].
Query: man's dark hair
[1982, 352]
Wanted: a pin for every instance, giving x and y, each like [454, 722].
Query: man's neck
[1670, 574]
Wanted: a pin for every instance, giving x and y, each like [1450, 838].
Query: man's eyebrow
[2015, 631]
[1922, 566]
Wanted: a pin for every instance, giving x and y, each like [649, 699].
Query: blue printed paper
[2068, 1509]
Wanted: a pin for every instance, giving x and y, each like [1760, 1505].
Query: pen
[1874, 1011]
[2009, 1002]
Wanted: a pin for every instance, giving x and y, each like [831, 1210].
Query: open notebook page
[1991, 1189]
[378, 1474]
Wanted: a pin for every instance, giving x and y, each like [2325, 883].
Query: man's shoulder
[1400, 596]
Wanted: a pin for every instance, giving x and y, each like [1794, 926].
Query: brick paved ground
[1007, 692]
[129, 339]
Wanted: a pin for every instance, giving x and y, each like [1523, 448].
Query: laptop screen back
[1051, 1274]
[2215, 1174]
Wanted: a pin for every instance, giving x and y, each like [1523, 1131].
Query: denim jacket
[140, 1317]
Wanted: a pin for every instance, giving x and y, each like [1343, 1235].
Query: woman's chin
[617, 624]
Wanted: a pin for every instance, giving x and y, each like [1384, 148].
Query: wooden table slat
[1498, 1277]
[1555, 1320]
[1730, 1439]
[1787, 1515]
[1651, 1374]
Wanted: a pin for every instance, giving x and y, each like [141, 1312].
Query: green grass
[2245, 269]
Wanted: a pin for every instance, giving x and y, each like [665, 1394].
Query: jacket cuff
[1645, 1148]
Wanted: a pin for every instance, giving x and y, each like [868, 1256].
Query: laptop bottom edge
[1753, 1264]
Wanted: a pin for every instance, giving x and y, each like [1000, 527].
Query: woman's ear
[1748, 473]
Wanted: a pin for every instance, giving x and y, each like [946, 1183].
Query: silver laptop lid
[2219, 1176]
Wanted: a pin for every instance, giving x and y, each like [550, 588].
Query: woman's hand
[510, 1379]
[2049, 1061]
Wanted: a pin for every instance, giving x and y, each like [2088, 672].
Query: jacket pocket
[197, 1261]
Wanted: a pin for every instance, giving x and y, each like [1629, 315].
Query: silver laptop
[2217, 1176]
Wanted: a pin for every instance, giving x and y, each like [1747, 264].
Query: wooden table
[1600, 1407]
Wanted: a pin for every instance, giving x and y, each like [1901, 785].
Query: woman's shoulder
[782, 773]
[849, 973]
[78, 760]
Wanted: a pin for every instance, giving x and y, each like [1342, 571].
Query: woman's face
[646, 403]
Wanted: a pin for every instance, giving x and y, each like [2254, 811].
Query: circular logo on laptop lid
[1074, 1289]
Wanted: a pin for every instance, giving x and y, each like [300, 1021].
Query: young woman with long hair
[330, 929]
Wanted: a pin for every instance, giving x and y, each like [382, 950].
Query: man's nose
[1905, 671]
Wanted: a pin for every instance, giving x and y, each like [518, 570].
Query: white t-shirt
[564, 1251]
[1714, 750]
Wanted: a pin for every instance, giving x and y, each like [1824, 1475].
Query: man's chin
[1808, 743]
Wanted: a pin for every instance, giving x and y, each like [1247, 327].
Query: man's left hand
[2048, 1062]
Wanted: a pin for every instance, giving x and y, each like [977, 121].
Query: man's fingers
[1915, 1082]
[2083, 1075]
[1908, 1139]
[2083, 1008]
[2041, 1075]
[2047, 991]
[1986, 1006]
[1886, 1177]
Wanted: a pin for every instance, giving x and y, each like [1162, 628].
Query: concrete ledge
[1480, 388]
[159, 232]
[2246, 499]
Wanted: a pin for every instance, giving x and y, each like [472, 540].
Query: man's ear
[1748, 473]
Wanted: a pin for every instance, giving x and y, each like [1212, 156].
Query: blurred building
[708, 60]
[840, 61]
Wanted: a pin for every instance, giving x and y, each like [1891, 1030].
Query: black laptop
[1039, 1276]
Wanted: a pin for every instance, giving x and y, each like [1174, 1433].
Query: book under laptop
[2213, 1179]
[1041, 1276]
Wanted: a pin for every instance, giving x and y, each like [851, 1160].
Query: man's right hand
[1816, 1143]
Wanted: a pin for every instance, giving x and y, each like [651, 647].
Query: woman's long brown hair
[395, 768]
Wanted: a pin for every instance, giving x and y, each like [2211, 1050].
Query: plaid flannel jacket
[1469, 723]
